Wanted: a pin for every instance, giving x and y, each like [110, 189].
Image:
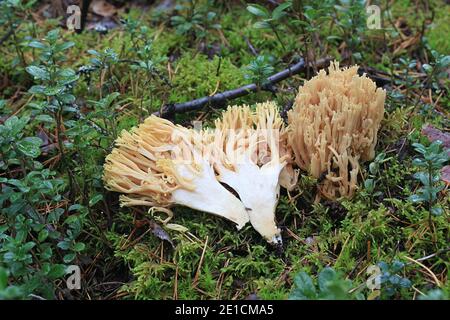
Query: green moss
[408, 10]
[439, 30]
[196, 76]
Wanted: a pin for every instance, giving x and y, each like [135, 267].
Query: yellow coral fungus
[252, 154]
[161, 164]
[333, 125]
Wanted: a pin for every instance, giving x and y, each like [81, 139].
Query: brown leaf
[252, 296]
[434, 134]
[160, 232]
[445, 174]
[409, 42]
[103, 25]
[103, 8]
[47, 142]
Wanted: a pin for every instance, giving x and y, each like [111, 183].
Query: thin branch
[375, 75]
[220, 99]
[434, 254]
[7, 35]
[436, 280]
[251, 47]
[84, 12]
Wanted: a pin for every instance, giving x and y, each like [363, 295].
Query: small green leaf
[38, 73]
[52, 91]
[52, 35]
[75, 207]
[369, 184]
[72, 219]
[422, 177]
[44, 118]
[19, 184]
[69, 257]
[405, 283]
[36, 44]
[46, 253]
[304, 288]
[64, 245]
[28, 246]
[43, 234]
[37, 89]
[419, 147]
[95, 199]
[415, 198]
[326, 276]
[79, 246]
[64, 46]
[57, 271]
[373, 168]
[261, 25]
[67, 98]
[279, 11]
[437, 211]
[30, 146]
[427, 68]
[45, 268]
[258, 10]
[54, 215]
[3, 278]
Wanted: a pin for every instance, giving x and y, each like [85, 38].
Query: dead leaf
[160, 232]
[103, 25]
[445, 174]
[434, 134]
[103, 8]
[252, 296]
[47, 142]
[409, 42]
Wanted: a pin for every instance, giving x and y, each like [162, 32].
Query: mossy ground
[212, 260]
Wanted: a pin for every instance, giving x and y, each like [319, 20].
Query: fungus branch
[160, 164]
[333, 124]
[252, 154]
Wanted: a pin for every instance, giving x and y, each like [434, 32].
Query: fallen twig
[220, 99]
[251, 47]
[436, 280]
[373, 74]
[7, 35]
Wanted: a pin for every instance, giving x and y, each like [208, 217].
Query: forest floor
[65, 97]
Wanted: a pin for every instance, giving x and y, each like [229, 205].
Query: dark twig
[7, 35]
[439, 252]
[373, 74]
[84, 11]
[220, 99]
[251, 47]
[284, 112]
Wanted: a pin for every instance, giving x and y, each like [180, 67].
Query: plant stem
[430, 204]
[278, 37]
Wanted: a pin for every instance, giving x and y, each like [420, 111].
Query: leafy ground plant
[391, 281]
[330, 286]
[431, 161]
